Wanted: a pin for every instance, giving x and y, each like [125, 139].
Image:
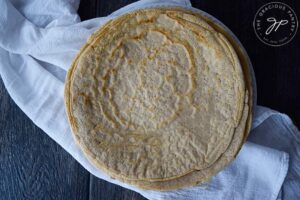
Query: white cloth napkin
[39, 39]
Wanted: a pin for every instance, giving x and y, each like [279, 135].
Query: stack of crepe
[159, 98]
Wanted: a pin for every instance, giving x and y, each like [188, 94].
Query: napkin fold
[38, 41]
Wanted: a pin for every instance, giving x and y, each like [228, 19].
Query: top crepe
[156, 94]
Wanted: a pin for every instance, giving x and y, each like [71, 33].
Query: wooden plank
[100, 189]
[33, 166]
[106, 7]
[87, 9]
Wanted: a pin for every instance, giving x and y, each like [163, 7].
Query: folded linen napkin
[37, 45]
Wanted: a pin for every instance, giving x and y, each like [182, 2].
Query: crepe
[157, 98]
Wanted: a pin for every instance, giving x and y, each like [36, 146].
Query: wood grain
[100, 189]
[33, 166]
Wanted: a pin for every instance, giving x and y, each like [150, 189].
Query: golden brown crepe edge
[89, 44]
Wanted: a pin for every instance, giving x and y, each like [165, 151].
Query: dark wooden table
[32, 166]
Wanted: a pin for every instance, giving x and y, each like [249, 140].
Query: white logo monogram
[275, 24]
